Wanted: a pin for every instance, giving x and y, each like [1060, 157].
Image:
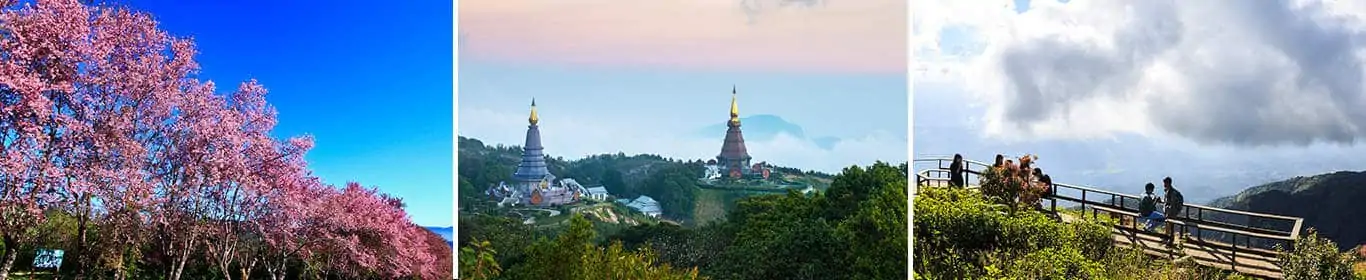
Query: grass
[710, 205]
[26, 275]
[546, 219]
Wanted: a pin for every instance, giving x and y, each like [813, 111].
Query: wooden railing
[1209, 227]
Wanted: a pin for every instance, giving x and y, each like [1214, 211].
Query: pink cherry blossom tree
[101, 116]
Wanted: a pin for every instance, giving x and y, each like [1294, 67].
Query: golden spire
[734, 110]
[533, 117]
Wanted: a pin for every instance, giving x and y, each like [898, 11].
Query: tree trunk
[10, 254]
[119, 270]
[246, 269]
[179, 266]
[178, 263]
[227, 274]
[81, 255]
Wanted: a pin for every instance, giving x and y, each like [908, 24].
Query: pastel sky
[1220, 95]
[652, 76]
[371, 83]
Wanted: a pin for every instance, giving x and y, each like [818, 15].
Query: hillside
[672, 182]
[1327, 202]
[855, 230]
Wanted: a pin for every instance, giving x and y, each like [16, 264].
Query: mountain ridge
[1328, 203]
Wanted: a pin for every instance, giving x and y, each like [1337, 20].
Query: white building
[597, 193]
[713, 172]
[646, 205]
[570, 183]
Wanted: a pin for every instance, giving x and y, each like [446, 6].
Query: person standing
[1175, 201]
[956, 172]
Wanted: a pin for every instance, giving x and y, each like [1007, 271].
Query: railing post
[1200, 233]
[1234, 258]
[1083, 199]
[1054, 201]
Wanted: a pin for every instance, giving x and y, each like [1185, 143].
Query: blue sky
[1118, 94]
[651, 77]
[372, 84]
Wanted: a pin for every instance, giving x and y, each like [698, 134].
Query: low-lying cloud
[577, 136]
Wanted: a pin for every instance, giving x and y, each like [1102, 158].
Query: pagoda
[734, 158]
[532, 176]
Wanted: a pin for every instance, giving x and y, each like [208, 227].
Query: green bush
[1315, 257]
[963, 234]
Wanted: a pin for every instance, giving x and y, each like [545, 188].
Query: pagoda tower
[532, 173]
[734, 158]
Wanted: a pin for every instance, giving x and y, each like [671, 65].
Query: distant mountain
[765, 127]
[1327, 202]
[447, 233]
[757, 127]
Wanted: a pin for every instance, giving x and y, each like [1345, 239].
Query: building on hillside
[570, 183]
[646, 205]
[734, 158]
[597, 193]
[761, 169]
[713, 171]
[554, 196]
[532, 184]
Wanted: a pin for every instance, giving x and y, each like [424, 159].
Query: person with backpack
[1175, 201]
[1147, 209]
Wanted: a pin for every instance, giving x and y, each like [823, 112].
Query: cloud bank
[785, 35]
[575, 136]
[1243, 73]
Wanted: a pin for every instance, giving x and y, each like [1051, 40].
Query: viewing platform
[1227, 239]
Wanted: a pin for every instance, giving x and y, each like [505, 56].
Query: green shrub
[1315, 257]
[961, 233]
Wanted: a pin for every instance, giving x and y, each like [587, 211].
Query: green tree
[468, 193]
[572, 255]
[479, 262]
[509, 236]
[1315, 257]
[876, 235]
[781, 237]
[675, 188]
[614, 262]
[614, 183]
[557, 259]
[855, 184]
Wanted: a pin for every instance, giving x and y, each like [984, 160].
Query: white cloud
[574, 136]
[1247, 73]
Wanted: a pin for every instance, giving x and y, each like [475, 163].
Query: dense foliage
[112, 150]
[856, 232]
[1013, 184]
[1315, 257]
[570, 255]
[964, 234]
[671, 182]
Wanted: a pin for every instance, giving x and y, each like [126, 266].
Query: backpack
[1175, 202]
[1147, 206]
